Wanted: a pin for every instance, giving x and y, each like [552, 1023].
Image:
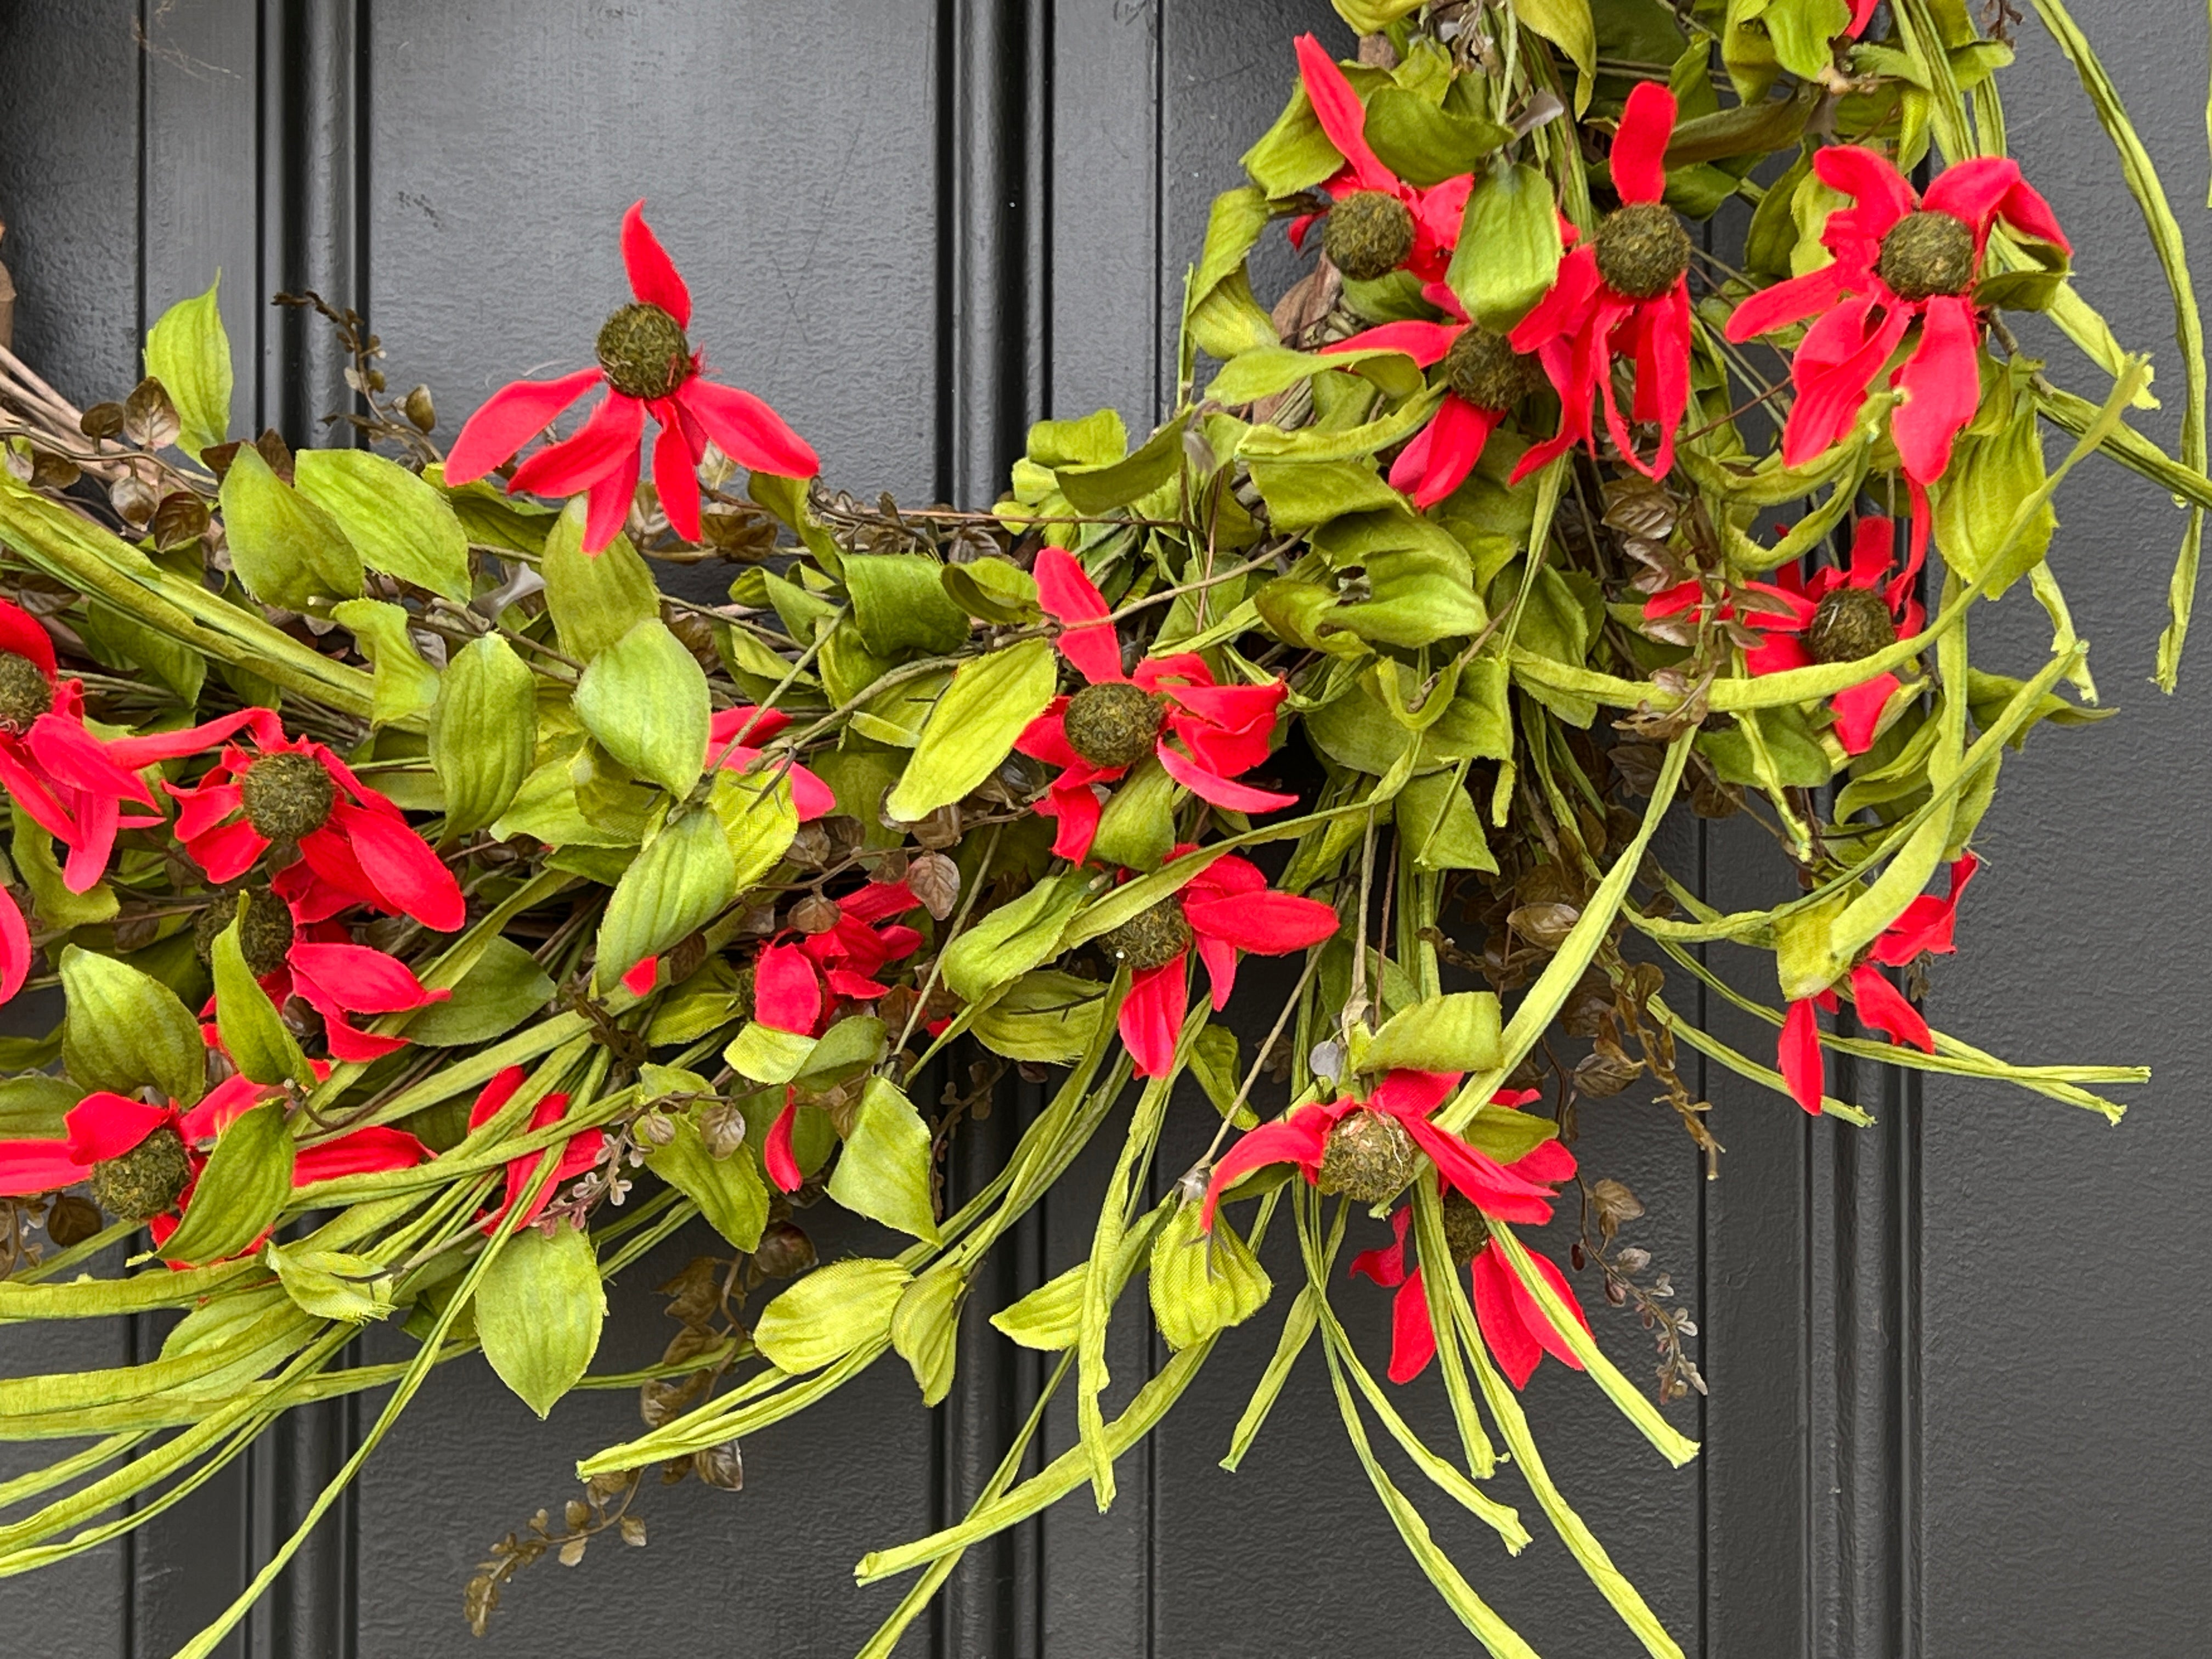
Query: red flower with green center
[1901, 260]
[577, 1153]
[1379, 222]
[143, 1160]
[648, 368]
[1203, 734]
[1624, 293]
[1925, 926]
[1514, 1326]
[1841, 616]
[1368, 1150]
[797, 985]
[1225, 909]
[318, 962]
[1484, 376]
[298, 796]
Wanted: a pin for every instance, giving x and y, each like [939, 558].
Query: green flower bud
[267, 938]
[1112, 725]
[1368, 234]
[1850, 624]
[25, 692]
[643, 351]
[1367, 1157]
[1926, 253]
[1486, 370]
[144, 1181]
[1641, 250]
[1151, 939]
[287, 796]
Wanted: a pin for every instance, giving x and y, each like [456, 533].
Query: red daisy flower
[648, 368]
[144, 1160]
[796, 985]
[1841, 616]
[1225, 908]
[1203, 734]
[1379, 222]
[1485, 377]
[319, 963]
[296, 794]
[1925, 925]
[1625, 293]
[1900, 258]
[1514, 1326]
[579, 1153]
[1363, 1147]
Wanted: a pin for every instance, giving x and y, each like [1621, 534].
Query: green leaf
[1299, 1326]
[766, 1055]
[992, 589]
[1508, 249]
[1203, 1283]
[484, 730]
[1222, 317]
[595, 597]
[1423, 142]
[1989, 476]
[883, 1171]
[926, 1325]
[241, 1190]
[405, 685]
[538, 1310]
[254, 1034]
[1095, 440]
[1455, 1033]
[1301, 495]
[333, 1284]
[829, 1313]
[286, 550]
[900, 603]
[32, 1107]
[1009, 941]
[973, 729]
[728, 1191]
[189, 353]
[398, 523]
[1566, 24]
[1137, 826]
[1438, 821]
[1047, 1018]
[644, 698]
[503, 988]
[126, 1030]
[1508, 1135]
[1800, 31]
[853, 1045]
[1124, 479]
[677, 884]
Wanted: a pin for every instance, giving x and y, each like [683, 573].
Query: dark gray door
[1959, 1361]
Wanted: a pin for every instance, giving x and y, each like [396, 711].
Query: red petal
[15, 947]
[134, 752]
[745, 723]
[786, 992]
[1426, 342]
[1881, 191]
[1492, 1188]
[1219, 791]
[510, 418]
[674, 476]
[1413, 1338]
[1387, 1266]
[1498, 1311]
[607, 504]
[1412, 1094]
[19, 632]
[1152, 1015]
[1786, 303]
[1884, 1007]
[777, 1154]
[1456, 436]
[1830, 391]
[639, 981]
[408, 874]
[495, 1094]
[1071, 599]
[1972, 190]
[599, 446]
[1268, 924]
[1799, 1054]
[1561, 311]
[744, 428]
[1639, 148]
[1077, 811]
[652, 278]
[1942, 386]
[361, 980]
[1859, 711]
[103, 1125]
[37, 1166]
[1298, 1139]
[1341, 115]
[365, 1151]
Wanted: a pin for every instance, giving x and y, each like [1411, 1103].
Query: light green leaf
[728, 1191]
[1453, 1033]
[1203, 1283]
[399, 524]
[538, 1310]
[285, 549]
[125, 1029]
[405, 686]
[1509, 246]
[484, 730]
[189, 353]
[990, 701]
[1046, 1018]
[926, 1325]
[900, 603]
[595, 597]
[51, 897]
[829, 1313]
[678, 883]
[644, 698]
[1009, 941]
[1566, 24]
[503, 987]
[333, 1284]
[766, 1054]
[883, 1171]
[32, 1107]
[254, 1034]
[240, 1192]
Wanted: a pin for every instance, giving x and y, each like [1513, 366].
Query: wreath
[442, 916]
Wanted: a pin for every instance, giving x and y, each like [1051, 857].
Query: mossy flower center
[643, 351]
[1368, 234]
[144, 1181]
[25, 691]
[287, 796]
[1850, 624]
[1367, 1157]
[1465, 1231]
[1926, 253]
[1151, 939]
[1641, 250]
[1112, 725]
[267, 938]
[1484, 369]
